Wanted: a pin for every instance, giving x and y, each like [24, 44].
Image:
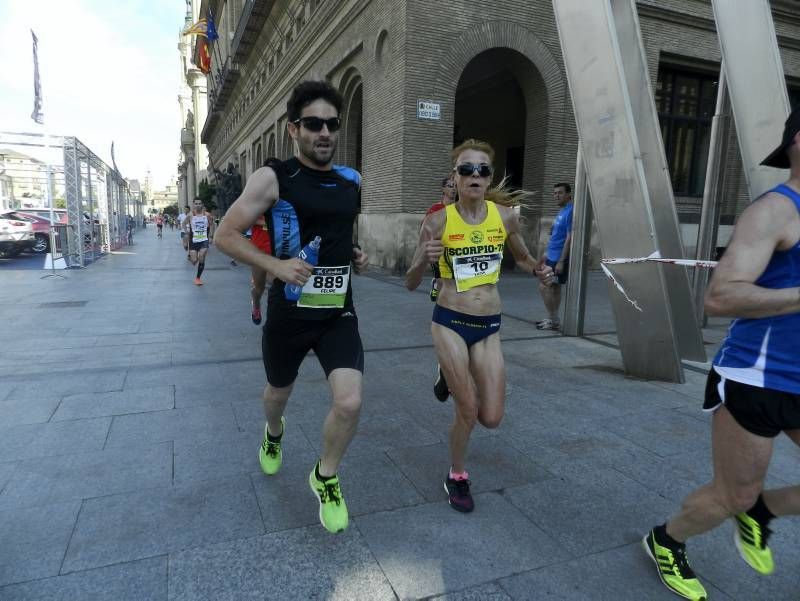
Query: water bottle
[309, 254]
[436, 276]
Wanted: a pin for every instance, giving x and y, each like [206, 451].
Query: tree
[206, 193]
[171, 210]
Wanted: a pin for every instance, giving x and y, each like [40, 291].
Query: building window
[685, 102]
[794, 96]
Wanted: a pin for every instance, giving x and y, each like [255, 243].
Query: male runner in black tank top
[301, 198]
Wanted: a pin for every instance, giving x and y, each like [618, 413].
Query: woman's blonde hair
[499, 194]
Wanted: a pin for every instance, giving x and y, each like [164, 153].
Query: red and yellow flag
[204, 56]
[199, 28]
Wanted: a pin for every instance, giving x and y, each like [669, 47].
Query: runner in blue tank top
[753, 388]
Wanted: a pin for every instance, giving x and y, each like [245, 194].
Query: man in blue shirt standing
[557, 256]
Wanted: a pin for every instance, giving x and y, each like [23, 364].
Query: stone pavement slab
[208, 460]
[34, 540]
[67, 476]
[42, 440]
[67, 379]
[305, 563]
[144, 580]
[590, 510]
[664, 432]
[192, 423]
[622, 574]
[5, 390]
[485, 592]
[27, 411]
[6, 471]
[143, 524]
[123, 402]
[493, 465]
[429, 549]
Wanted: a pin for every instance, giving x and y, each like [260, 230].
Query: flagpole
[39, 118]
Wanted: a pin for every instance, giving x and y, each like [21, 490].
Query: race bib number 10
[475, 266]
[326, 289]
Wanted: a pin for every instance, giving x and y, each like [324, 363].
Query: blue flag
[211, 29]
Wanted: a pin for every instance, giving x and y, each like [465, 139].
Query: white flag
[36, 115]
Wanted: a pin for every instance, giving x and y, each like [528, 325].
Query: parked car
[41, 228]
[15, 236]
[59, 214]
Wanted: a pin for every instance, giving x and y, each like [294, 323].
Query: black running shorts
[198, 246]
[285, 343]
[760, 411]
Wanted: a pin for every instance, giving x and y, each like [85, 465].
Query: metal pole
[715, 179]
[91, 203]
[52, 273]
[575, 299]
[757, 85]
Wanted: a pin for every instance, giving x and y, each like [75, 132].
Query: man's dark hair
[307, 92]
[567, 187]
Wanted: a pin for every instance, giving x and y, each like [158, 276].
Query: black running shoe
[440, 389]
[458, 495]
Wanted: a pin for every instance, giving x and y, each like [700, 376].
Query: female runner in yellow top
[466, 240]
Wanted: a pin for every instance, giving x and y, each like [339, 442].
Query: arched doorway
[258, 161]
[501, 98]
[271, 146]
[288, 146]
[351, 139]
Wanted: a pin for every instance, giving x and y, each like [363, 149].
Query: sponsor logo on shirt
[495, 238]
[476, 237]
[473, 250]
[456, 237]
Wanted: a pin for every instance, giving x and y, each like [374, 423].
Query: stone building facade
[494, 70]
[193, 104]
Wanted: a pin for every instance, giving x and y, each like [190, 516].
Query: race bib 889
[326, 288]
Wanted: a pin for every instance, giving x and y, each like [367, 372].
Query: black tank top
[312, 203]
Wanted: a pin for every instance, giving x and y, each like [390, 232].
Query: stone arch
[286, 150]
[271, 146]
[258, 159]
[543, 85]
[501, 34]
[351, 138]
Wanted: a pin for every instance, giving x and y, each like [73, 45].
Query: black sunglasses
[467, 169]
[315, 123]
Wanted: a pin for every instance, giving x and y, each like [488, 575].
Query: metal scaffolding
[98, 200]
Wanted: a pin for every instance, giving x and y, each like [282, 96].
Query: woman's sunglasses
[467, 169]
[315, 123]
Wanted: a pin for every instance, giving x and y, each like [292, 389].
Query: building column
[182, 188]
[197, 82]
[191, 176]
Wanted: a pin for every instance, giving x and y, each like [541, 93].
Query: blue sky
[109, 70]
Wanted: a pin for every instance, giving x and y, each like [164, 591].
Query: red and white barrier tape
[653, 258]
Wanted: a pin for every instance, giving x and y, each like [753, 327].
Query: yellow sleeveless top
[472, 253]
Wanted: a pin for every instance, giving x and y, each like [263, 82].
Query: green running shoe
[270, 455]
[332, 508]
[674, 569]
[751, 538]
